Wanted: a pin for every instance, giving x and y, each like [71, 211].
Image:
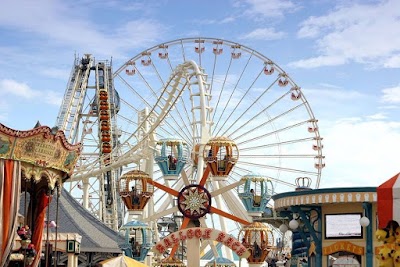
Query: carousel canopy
[41, 147]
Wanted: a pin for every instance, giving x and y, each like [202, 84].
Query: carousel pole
[47, 235]
[25, 215]
[55, 242]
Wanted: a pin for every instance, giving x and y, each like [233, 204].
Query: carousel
[33, 166]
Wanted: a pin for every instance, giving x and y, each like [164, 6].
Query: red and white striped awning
[389, 201]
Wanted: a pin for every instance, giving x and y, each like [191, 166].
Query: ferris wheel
[180, 98]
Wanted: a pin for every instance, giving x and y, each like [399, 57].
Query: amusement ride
[196, 132]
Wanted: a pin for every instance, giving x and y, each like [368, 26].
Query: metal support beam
[368, 239]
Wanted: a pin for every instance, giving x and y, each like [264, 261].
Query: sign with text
[343, 246]
[204, 234]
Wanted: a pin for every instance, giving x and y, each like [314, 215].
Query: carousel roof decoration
[41, 149]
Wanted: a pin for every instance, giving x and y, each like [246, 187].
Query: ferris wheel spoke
[129, 105]
[136, 93]
[186, 122]
[127, 120]
[163, 187]
[165, 199]
[222, 88]
[232, 93]
[231, 199]
[251, 148]
[205, 176]
[215, 50]
[161, 214]
[185, 223]
[207, 242]
[146, 83]
[185, 178]
[274, 179]
[282, 169]
[226, 187]
[171, 130]
[262, 112]
[232, 112]
[257, 100]
[171, 125]
[228, 216]
[282, 143]
[267, 122]
[277, 156]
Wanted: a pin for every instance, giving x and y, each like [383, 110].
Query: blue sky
[344, 54]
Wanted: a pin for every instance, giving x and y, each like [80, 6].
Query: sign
[343, 246]
[204, 234]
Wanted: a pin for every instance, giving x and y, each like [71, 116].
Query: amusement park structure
[196, 132]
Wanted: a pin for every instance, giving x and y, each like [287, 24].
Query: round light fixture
[283, 228]
[293, 224]
[364, 221]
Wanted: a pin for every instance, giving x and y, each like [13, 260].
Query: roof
[74, 218]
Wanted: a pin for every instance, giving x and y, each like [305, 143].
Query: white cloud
[328, 85]
[391, 95]
[3, 109]
[392, 62]
[333, 93]
[377, 116]
[317, 62]
[356, 32]
[64, 25]
[22, 90]
[56, 73]
[18, 89]
[360, 153]
[268, 8]
[264, 34]
[53, 98]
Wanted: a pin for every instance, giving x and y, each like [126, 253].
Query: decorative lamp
[283, 228]
[364, 221]
[293, 224]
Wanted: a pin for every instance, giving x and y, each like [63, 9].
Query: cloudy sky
[344, 54]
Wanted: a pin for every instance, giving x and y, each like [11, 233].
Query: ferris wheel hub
[194, 201]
